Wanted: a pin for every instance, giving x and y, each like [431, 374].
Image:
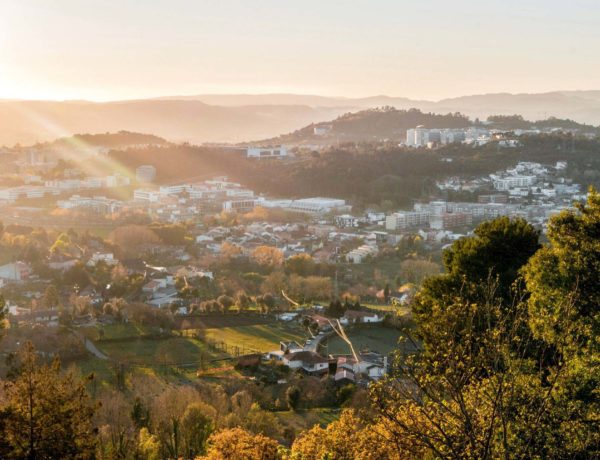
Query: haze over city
[276, 230]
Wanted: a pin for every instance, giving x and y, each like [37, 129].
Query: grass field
[159, 352]
[261, 337]
[380, 339]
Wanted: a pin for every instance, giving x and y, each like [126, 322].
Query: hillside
[237, 118]
[389, 123]
[371, 125]
[582, 106]
[29, 122]
[119, 140]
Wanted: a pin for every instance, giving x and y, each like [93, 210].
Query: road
[90, 346]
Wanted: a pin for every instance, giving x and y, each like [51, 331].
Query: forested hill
[364, 173]
[389, 123]
[512, 122]
[118, 140]
[372, 125]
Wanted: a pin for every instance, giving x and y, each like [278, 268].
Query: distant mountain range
[237, 118]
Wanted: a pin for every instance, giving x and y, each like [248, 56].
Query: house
[356, 316]
[289, 316]
[284, 348]
[45, 317]
[165, 297]
[193, 272]
[308, 361]
[371, 364]
[343, 376]
[154, 285]
[358, 255]
[15, 271]
[266, 152]
[322, 322]
[107, 258]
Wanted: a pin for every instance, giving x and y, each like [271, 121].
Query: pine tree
[45, 414]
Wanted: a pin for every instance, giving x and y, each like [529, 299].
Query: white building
[510, 182]
[241, 205]
[417, 137]
[263, 153]
[117, 180]
[421, 136]
[346, 220]
[318, 205]
[15, 271]
[358, 255]
[406, 219]
[108, 258]
[145, 173]
[141, 194]
[167, 190]
[356, 316]
[98, 204]
[322, 130]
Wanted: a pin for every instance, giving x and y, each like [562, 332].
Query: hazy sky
[115, 49]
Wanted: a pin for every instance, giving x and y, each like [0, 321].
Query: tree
[336, 309]
[45, 414]
[479, 269]
[131, 237]
[498, 249]
[275, 283]
[292, 396]
[480, 396]
[196, 427]
[242, 301]
[2, 314]
[566, 269]
[226, 302]
[62, 243]
[386, 292]
[50, 300]
[239, 444]
[266, 303]
[416, 270]
[563, 279]
[117, 430]
[148, 445]
[268, 257]
[349, 438]
[300, 264]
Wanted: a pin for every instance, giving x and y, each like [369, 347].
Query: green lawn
[103, 370]
[261, 337]
[159, 352]
[374, 338]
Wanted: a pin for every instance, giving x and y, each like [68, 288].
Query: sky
[423, 49]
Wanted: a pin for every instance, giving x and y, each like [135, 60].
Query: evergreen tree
[45, 414]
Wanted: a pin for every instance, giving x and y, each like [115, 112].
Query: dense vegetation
[376, 124]
[367, 173]
[391, 123]
[508, 368]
